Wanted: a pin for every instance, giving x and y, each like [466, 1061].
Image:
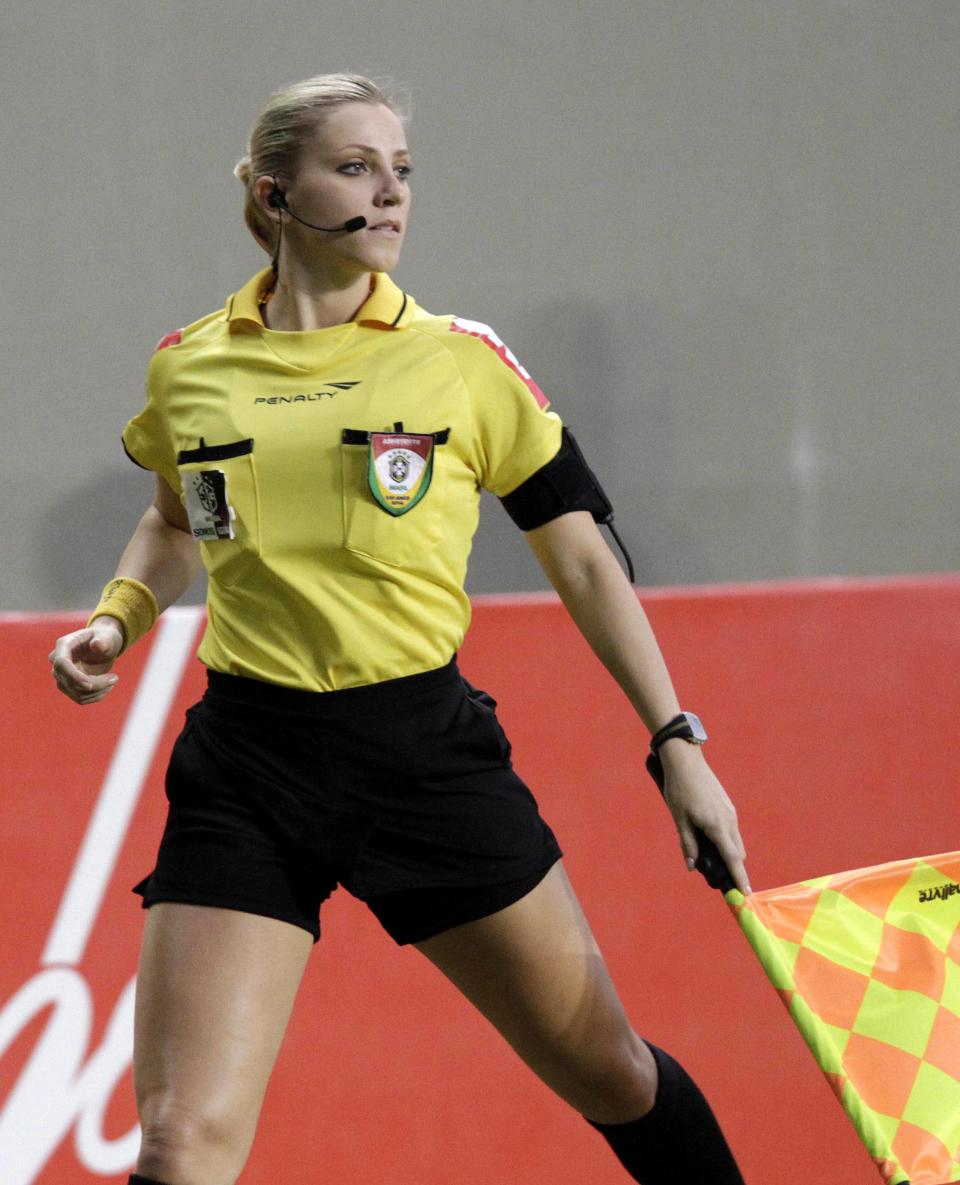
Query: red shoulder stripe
[503, 352]
[172, 339]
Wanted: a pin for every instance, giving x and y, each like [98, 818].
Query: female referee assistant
[321, 443]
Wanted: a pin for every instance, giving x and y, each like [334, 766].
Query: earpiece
[277, 200]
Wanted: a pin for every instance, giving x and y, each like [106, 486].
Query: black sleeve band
[132, 457]
[566, 483]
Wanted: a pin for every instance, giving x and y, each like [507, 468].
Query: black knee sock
[679, 1141]
[136, 1179]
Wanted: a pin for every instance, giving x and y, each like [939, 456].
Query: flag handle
[710, 864]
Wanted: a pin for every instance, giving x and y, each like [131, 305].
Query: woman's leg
[535, 971]
[214, 993]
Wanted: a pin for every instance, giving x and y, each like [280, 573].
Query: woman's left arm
[605, 608]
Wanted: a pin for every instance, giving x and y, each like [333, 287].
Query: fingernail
[113, 679]
[691, 864]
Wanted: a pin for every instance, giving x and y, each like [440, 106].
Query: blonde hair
[291, 116]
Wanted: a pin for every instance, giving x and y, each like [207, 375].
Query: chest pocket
[221, 499]
[393, 534]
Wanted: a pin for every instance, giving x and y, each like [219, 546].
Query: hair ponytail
[259, 225]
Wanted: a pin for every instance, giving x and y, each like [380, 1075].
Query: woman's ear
[269, 196]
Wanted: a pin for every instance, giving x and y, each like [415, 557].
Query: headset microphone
[279, 202]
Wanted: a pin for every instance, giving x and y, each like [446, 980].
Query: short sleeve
[146, 438]
[517, 434]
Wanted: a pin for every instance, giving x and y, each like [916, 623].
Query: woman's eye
[354, 168]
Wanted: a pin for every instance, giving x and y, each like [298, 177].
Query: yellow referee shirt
[333, 479]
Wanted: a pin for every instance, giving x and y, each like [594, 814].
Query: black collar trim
[403, 308]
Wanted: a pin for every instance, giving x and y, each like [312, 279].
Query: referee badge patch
[205, 499]
[400, 469]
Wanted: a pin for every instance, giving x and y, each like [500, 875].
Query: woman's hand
[695, 798]
[81, 661]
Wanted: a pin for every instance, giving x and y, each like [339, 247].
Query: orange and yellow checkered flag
[868, 964]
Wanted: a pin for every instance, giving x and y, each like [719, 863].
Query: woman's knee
[185, 1145]
[617, 1080]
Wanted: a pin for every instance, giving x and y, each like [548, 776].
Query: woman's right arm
[163, 555]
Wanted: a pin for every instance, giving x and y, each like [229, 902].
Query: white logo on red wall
[65, 1086]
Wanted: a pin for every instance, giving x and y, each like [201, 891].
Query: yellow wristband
[132, 604]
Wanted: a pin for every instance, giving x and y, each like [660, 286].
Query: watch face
[698, 734]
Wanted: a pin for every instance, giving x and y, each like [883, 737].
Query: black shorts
[401, 791]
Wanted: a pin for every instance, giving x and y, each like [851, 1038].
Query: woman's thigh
[215, 989]
[535, 971]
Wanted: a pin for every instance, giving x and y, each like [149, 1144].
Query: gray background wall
[723, 234]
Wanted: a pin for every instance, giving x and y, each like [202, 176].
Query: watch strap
[680, 726]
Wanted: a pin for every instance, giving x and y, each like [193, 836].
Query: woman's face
[357, 163]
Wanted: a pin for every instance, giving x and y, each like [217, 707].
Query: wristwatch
[686, 725]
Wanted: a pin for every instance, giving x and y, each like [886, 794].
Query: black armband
[564, 484]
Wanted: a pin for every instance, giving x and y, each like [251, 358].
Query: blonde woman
[320, 444]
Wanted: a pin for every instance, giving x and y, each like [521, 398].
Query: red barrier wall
[832, 708]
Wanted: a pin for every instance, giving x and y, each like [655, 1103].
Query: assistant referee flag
[868, 964]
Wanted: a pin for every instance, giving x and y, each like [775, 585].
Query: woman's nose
[391, 192]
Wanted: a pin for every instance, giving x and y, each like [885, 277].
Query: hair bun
[242, 169]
